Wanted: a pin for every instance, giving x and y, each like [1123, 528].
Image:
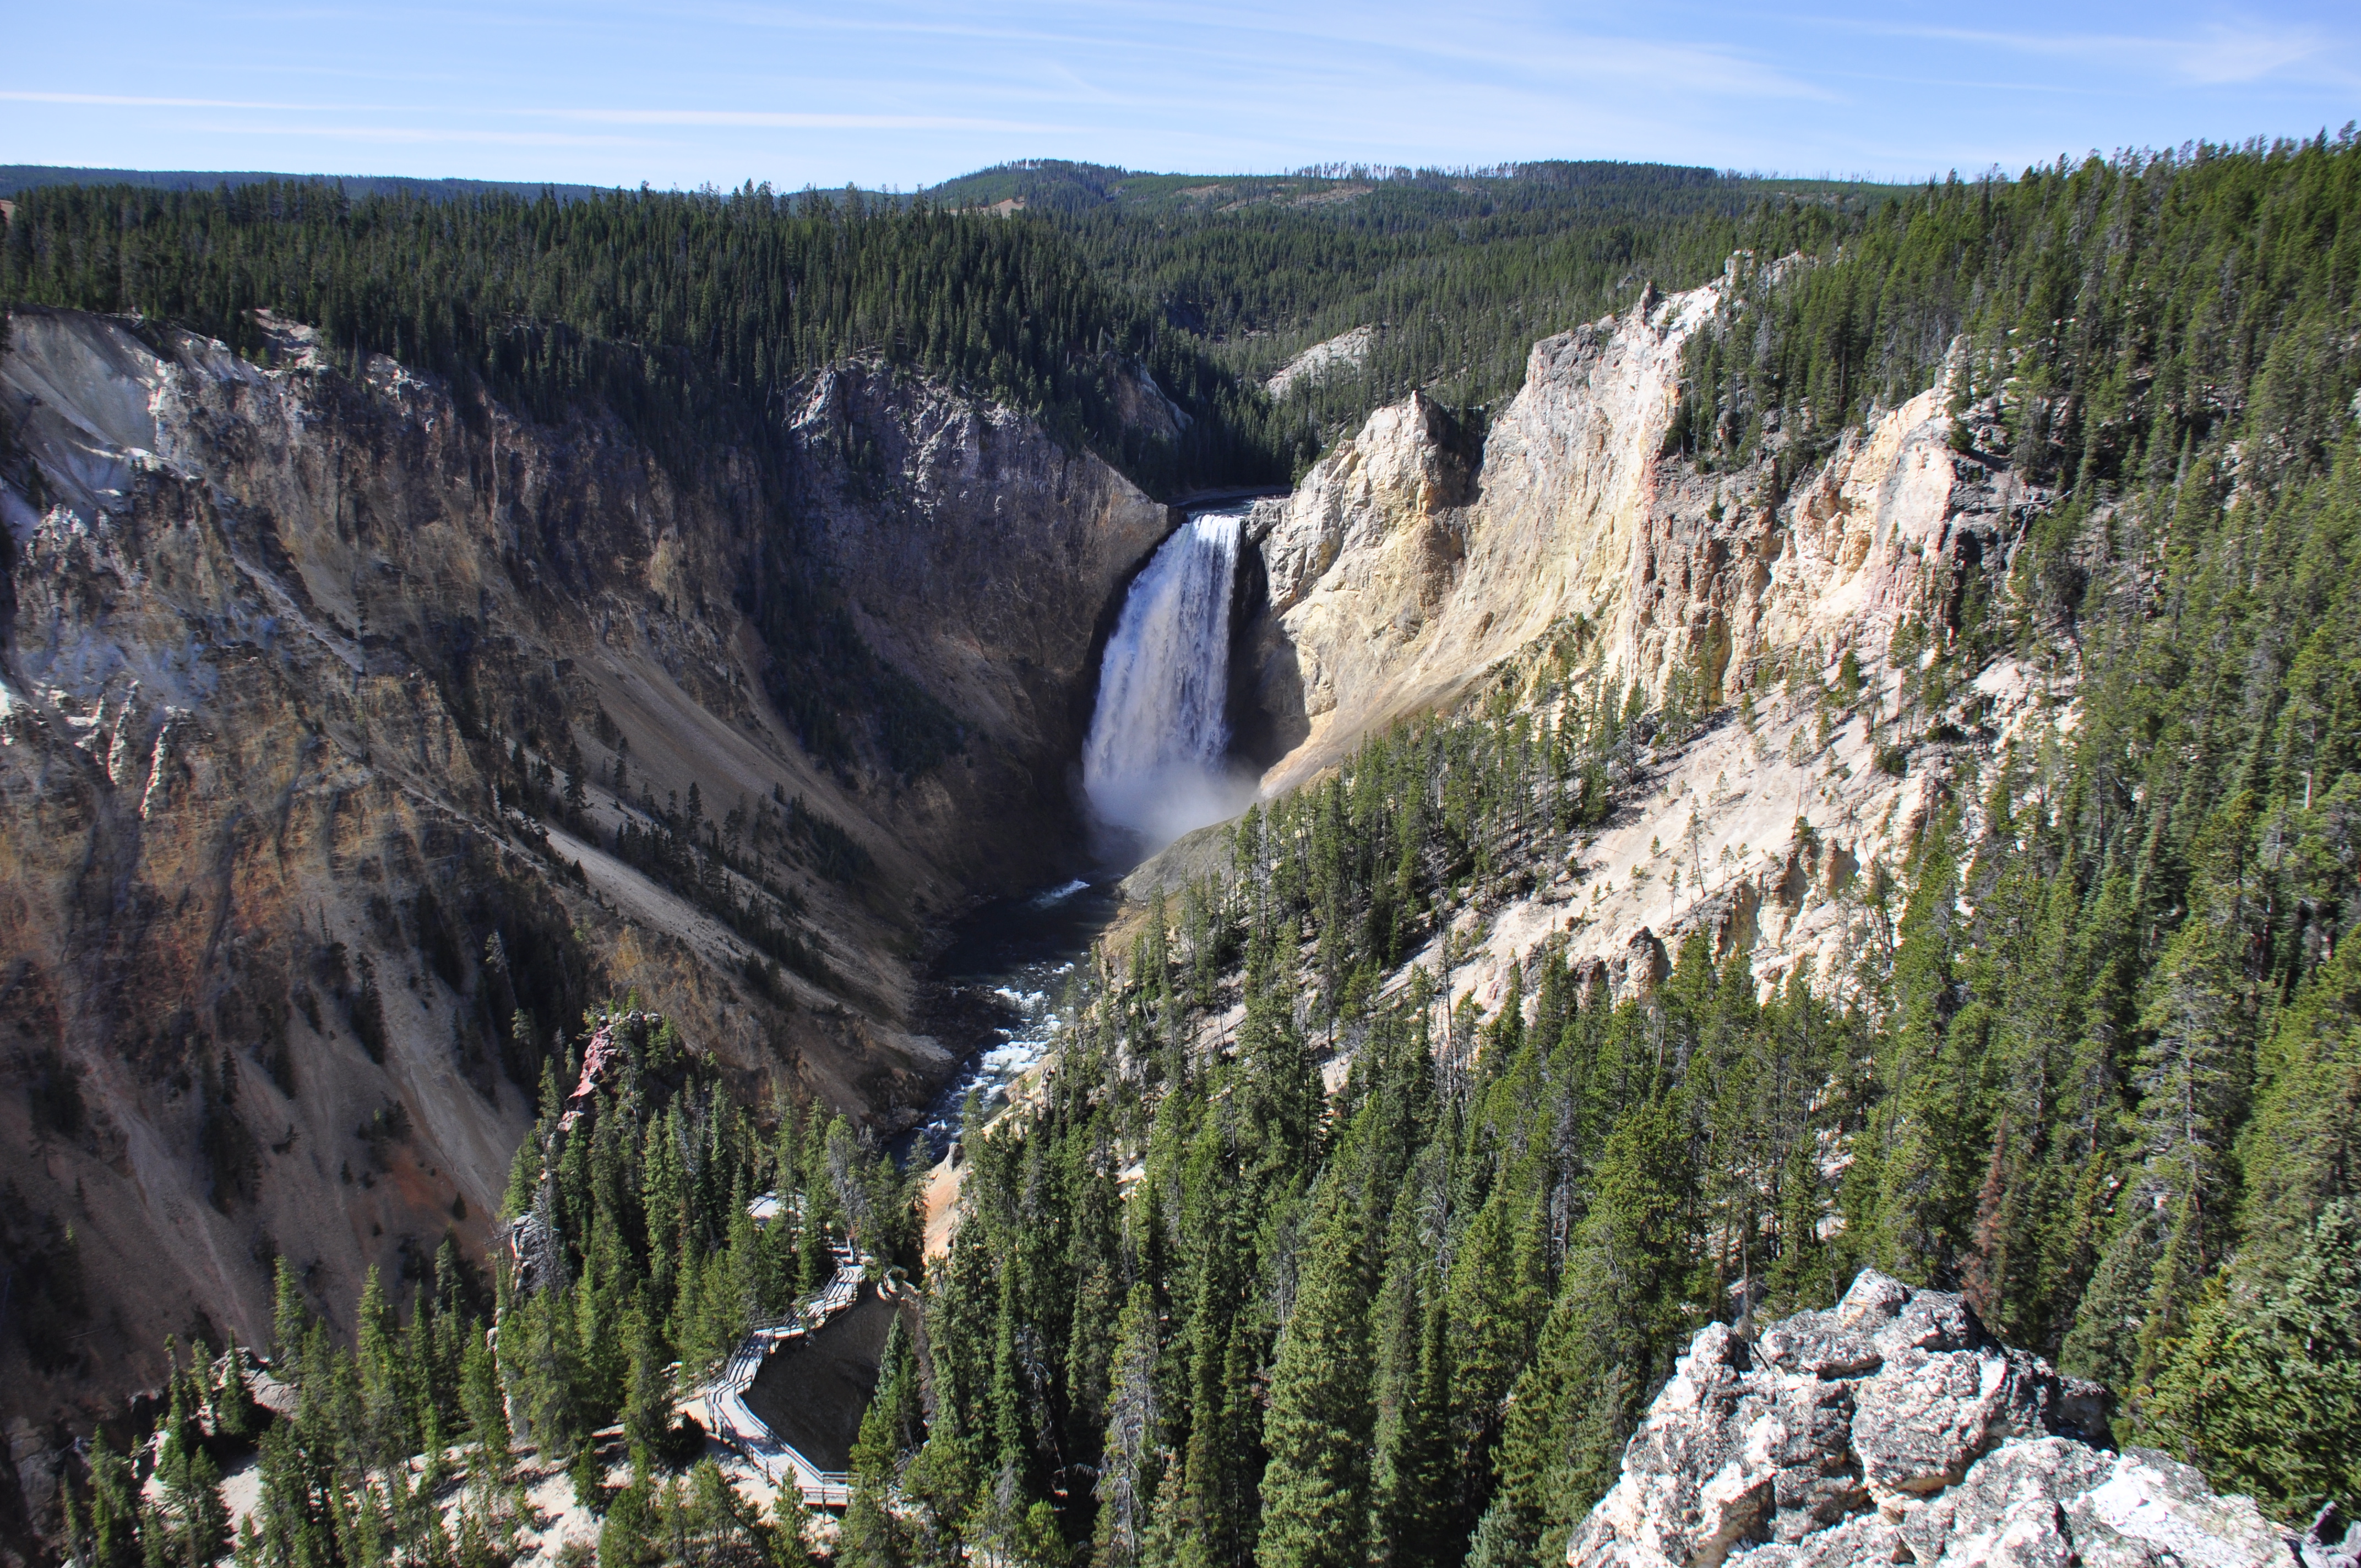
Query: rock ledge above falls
[1894, 1429]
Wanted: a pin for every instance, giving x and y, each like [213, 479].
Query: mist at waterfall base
[1156, 764]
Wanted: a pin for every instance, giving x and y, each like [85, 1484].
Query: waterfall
[1154, 761]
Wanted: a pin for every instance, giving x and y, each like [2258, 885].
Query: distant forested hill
[17, 178]
[689, 313]
[1461, 270]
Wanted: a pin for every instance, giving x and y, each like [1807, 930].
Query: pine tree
[648, 1406]
[2188, 1079]
[2301, 1150]
[871, 1536]
[1132, 1464]
[1488, 1337]
[113, 1510]
[815, 1265]
[1315, 1485]
[480, 1395]
[1412, 1481]
[2264, 1393]
[868, 1536]
[1922, 1191]
[190, 1528]
[586, 1473]
[1574, 1406]
[290, 1318]
[1799, 1273]
[626, 1535]
[385, 1396]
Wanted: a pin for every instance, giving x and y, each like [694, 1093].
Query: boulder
[1893, 1428]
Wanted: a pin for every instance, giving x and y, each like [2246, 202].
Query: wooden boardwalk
[743, 1429]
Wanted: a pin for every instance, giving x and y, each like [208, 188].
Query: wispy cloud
[128, 101]
[751, 119]
[2222, 54]
[2215, 54]
[420, 135]
[786, 120]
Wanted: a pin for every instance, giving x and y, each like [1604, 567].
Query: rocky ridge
[1894, 1429]
[1400, 572]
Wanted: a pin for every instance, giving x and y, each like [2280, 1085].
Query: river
[997, 991]
[1156, 764]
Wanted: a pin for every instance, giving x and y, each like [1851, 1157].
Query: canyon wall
[1565, 549]
[285, 646]
[1399, 573]
[279, 953]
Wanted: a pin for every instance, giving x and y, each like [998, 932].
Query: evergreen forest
[1288, 1259]
[692, 315]
[689, 316]
[632, 1267]
[2099, 1066]
[1458, 271]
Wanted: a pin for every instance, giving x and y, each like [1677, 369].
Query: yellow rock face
[1396, 577]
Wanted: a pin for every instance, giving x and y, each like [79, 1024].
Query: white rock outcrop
[1894, 1429]
[1348, 350]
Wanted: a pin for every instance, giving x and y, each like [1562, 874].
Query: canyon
[1722, 933]
[283, 961]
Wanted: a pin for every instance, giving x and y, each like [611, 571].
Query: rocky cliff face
[279, 958]
[1402, 576]
[985, 563]
[1894, 1429]
[1398, 576]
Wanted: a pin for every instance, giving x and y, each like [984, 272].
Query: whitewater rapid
[1154, 762]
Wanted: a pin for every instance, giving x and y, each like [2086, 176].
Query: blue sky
[900, 93]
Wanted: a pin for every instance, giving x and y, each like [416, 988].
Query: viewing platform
[724, 1399]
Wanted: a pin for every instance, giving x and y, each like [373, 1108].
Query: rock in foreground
[1894, 1429]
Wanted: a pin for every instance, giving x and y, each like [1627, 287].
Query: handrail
[736, 1424]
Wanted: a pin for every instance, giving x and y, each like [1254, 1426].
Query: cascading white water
[1154, 761]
